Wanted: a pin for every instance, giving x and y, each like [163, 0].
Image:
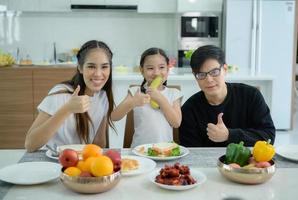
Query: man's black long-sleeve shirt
[246, 115]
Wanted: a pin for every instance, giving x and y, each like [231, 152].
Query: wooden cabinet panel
[22, 89]
[45, 79]
[16, 106]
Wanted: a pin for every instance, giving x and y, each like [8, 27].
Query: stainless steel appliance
[198, 29]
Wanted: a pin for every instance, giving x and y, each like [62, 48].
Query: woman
[77, 111]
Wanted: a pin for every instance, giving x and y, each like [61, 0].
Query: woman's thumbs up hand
[78, 104]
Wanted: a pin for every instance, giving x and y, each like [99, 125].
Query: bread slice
[129, 164]
[164, 149]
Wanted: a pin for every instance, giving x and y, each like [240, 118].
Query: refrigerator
[258, 36]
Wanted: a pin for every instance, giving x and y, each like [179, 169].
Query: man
[222, 113]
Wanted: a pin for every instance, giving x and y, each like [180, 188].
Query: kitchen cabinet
[39, 5]
[22, 89]
[54, 5]
[88, 2]
[4, 2]
[24, 5]
[16, 104]
[3, 5]
[157, 6]
[122, 2]
[105, 2]
[199, 5]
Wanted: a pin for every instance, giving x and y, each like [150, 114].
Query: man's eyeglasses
[202, 75]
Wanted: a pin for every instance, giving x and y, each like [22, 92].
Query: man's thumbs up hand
[218, 132]
[219, 119]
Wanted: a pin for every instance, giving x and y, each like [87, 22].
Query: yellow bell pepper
[263, 151]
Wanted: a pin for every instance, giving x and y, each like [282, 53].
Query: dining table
[282, 186]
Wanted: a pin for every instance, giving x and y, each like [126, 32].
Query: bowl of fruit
[242, 165]
[96, 172]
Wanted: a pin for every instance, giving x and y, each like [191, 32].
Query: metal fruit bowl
[245, 175]
[90, 184]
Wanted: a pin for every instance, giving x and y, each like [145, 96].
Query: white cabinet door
[23, 5]
[4, 2]
[122, 2]
[157, 6]
[54, 5]
[199, 5]
[238, 34]
[88, 2]
[3, 5]
[275, 58]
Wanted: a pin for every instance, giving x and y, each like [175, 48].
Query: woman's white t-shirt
[67, 133]
[150, 125]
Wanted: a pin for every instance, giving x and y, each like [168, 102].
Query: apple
[263, 164]
[115, 157]
[85, 174]
[68, 158]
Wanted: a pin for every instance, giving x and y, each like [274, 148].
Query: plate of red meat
[177, 177]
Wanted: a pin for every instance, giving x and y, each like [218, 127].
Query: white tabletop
[283, 185]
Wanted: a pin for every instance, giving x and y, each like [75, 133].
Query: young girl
[152, 125]
[77, 111]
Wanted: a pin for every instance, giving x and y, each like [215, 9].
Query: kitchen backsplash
[126, 32]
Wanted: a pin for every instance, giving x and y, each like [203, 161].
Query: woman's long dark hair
[83, 119]
[150, 52]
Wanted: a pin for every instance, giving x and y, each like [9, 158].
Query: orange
[72, 171]
[91, 150]
[102, 166]
[81, 165]
[87, 164]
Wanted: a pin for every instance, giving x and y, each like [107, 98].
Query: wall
[128, 33]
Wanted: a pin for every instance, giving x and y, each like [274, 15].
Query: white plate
[145, 165]
[200, 177]
[49, 154]
[30, 173]
[184, 151]
[76, 147]
[289, 151]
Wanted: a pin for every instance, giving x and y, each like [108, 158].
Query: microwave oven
[199, 28]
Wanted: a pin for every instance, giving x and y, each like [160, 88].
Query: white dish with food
[30, 173]
[161, 151]
[140, 165]
[199, 177]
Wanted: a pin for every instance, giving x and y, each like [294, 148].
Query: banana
[6, 59]
[157, 81]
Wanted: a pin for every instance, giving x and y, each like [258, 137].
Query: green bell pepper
[237, 153]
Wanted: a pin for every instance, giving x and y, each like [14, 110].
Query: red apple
[85, 174]
[68, 158]
[263, 164]
[115, 157]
